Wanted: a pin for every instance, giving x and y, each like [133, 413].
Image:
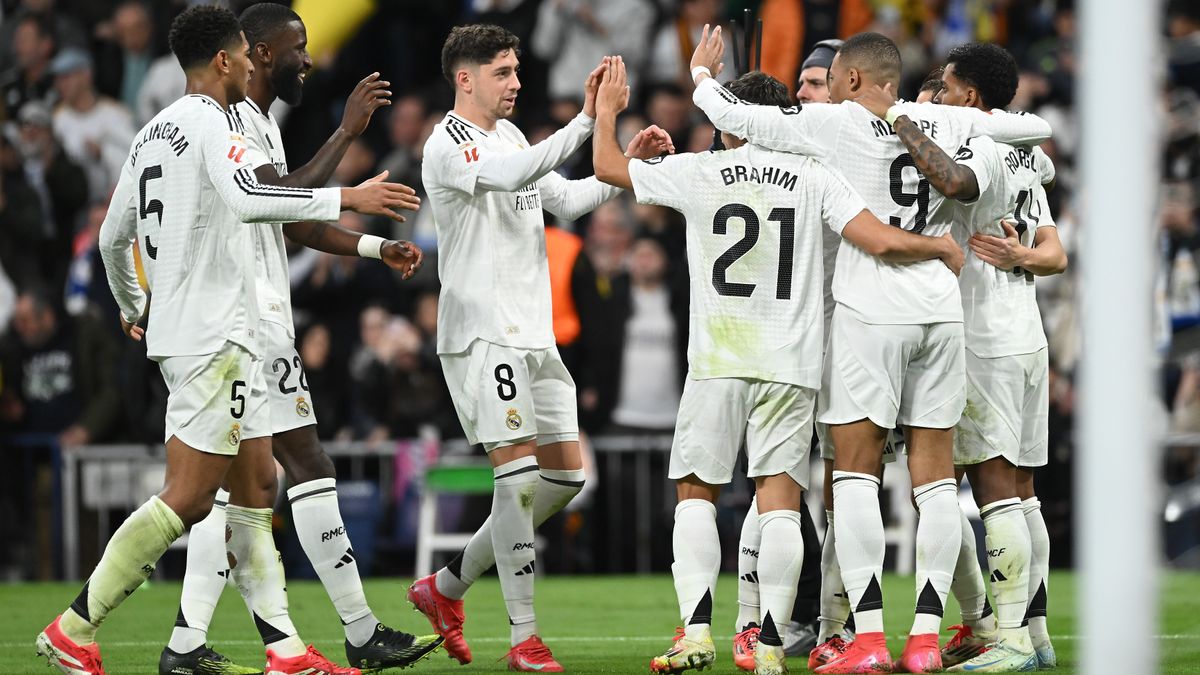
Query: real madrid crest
[513, 420]
[302, 407]
[235, 434]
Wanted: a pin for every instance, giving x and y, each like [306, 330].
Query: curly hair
[199, 32]
[475, 44]
[989, 68]
[760, 88]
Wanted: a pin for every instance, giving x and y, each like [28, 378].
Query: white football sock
[939, 538]
[697, 549]
[860, 545]
[258, 573]
[512, 541]
[779, 563]
[1008, 550]
[127, 562]
[203, 579]
[555, 489]
[1039, 570]
[323, 536]
[835, 604]
[748, 552]
[968, 586]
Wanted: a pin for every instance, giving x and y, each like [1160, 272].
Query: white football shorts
[216, 401]
[1008, 406]
[716, 415]
[507, 395]
[290, 404]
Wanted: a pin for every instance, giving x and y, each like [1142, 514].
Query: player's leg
[708, 434]
[931, 405]
[748, 543]
[323, 536]
[978, 626]
[1034, 453]
[800, 634]
[206, 411]
[861, 385]
[778, 438]
[204, 579]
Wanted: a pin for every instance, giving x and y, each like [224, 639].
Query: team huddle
[830, 295]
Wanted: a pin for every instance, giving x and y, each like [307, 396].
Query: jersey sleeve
[225, 160]
[1006, 127]
[796, 129]
[1044, 217]
[571, 199]
[979, 155]
[840, 202]
[118, 233]
[662, 181]
[256, 155]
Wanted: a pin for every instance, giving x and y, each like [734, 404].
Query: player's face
[928, 95]
[497, 85]
[814, 85]
[955, 91]
[240, 70]
[291, 63]
[839, 81]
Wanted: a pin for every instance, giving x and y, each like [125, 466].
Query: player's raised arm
[612, 97]
[118, 233]
[785, 129]
[369, 95]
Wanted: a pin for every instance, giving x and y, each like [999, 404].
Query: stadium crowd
[78, 77]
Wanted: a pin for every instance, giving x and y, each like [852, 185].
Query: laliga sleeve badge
[513, 420]
[235, 435]
[302, 407]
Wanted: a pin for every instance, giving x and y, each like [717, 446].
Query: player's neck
[466, 109]
[262, 96]
[201, 83]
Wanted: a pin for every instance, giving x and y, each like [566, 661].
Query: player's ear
[464, 80]
[263, 52]
[854, 78]
[222, 61]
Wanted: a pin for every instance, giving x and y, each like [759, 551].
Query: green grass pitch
[593, 624]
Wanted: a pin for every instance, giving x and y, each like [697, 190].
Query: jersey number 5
[145, 208]
[787, 239]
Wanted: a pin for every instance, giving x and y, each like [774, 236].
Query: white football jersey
[265, 143]
[1000, 312]
[754, 245]
[492, 243]
[185, 195]
[868, 153]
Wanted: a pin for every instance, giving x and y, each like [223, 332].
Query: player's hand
[591, 85]
[134, 331]
[952, 255]
[650, 142]
[878, 99]
[369, 95]
[373, 197]
[402, 256]
[612, 95]
[709, 51]
[1004, 252]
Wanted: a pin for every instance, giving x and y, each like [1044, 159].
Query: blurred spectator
[651, 372]
[60, 373]
[95, 131]
[60, 186]
[8, 300]
[670, 108]
[128, 52]
[66, 22]
[676, 40]
[29, 78]
[792, 28]
[573, 35]
[327, 383]
[164, 83]
[562, 252]
[406, 125]
[1183, 27]
[87, 285]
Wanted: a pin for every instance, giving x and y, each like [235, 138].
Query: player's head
[481, 62]
[758, 88]
[931, 87]
[208, 42]
[814, 72]
[979, 75]
[865, 60]
[279, 48]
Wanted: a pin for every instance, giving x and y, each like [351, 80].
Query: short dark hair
[263, 21]
[475, 44]
[989, 68]
[199, 32]
[933, 81]
[872, 52]
[44, 23]
[760, 88]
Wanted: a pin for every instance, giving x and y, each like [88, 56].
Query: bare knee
[691, 487]
[777, 493]
[1025, 483]
[191, 505]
